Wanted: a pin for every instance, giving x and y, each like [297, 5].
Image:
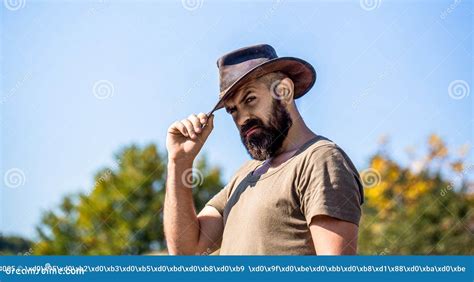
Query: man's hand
[332, 236]
[186, 232]
[185, 138]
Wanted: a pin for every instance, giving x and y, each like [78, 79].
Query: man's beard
[269, 138]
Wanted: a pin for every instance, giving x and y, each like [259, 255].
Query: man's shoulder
[321, 146]
[324, 149]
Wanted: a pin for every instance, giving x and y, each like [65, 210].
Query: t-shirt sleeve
[330, 185]
[219, 200]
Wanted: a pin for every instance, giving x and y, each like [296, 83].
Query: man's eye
[249, 99]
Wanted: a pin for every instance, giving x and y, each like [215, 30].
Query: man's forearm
[181, 224]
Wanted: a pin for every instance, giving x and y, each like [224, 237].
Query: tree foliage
[123, 213]
[13, 245]
[416, 209]
[423, 207]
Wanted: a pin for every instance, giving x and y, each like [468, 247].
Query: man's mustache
[249, 124]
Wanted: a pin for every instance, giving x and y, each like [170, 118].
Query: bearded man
[300, 194]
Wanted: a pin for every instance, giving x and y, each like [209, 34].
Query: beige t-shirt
[270, 213]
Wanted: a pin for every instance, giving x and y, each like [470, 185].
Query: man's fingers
[196, 123]
[209, 126]
[189, 127]
[193, 125]
[178, 127]
[202, 117]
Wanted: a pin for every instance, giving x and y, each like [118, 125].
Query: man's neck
[297, 136]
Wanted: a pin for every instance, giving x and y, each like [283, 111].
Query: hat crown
[246, 64]
[235, 64]
[247, 53]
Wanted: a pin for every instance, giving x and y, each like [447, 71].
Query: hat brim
[301, 72]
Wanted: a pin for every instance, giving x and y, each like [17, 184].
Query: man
[300, 195]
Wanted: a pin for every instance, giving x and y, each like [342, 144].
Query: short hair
[270, 78]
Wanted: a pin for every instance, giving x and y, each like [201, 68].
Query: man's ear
[283, 90]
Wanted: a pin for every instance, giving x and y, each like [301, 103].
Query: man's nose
[241, 119]
[239, 126]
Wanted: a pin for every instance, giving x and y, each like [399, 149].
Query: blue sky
[382, 70]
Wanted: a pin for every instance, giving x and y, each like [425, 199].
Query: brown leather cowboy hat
[242, 65]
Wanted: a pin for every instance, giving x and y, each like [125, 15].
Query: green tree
[123, 213]
[416, 210]
[423, 207]
[13, 245]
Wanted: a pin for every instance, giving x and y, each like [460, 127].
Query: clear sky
[81, 80]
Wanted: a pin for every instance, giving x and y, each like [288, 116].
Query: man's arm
[332, 236]
[186, 233]
[331, 197]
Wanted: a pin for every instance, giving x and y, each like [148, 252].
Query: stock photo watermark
[192, 5]
[370, 178]
[370, 5]
[450, 9]
[458, 177]
[458, 89]
[103, 89]
[14, 178]
[18, 85]
[14, 5]
[192, 177]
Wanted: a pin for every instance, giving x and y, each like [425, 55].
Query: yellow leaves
[379, 163]
[90, 240]
[434, 140]
[457, 166]
[393, 174]
[463, 150]
[411, 202]
[437, 147]
[378, 198]
[402, 188]
[378, 229]
[375, 193]
[442, 152]
[43, 247]
[398, 186]
[416, 190]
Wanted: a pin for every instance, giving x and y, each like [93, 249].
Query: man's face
[262, 120]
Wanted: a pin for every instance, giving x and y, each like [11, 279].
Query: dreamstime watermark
[450, 9]
[14, 5]
[192, 177]
[192, 5]
[18, 85]
[103, 177]
[370, 178]
[100, 6]
[451, 184]
[27, 253]
[14, 178]
[103, 89]
[458, 89]
[380, 78]
[280, 90]
[370, 5]
[205, 253]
